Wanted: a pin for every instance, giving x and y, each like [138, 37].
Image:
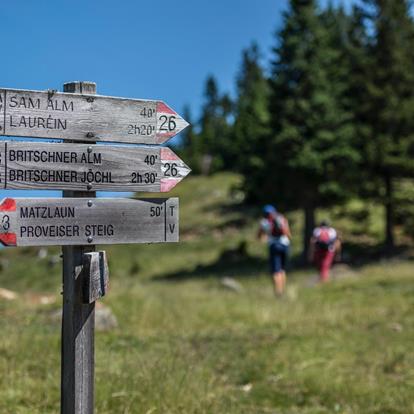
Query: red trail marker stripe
[168, 155]
[9, 204]
[168, 183]
[163, 108]
[8, 239]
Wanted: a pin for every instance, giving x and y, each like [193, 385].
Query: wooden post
[78, 322]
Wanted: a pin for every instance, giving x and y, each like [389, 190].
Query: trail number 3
[5, 222]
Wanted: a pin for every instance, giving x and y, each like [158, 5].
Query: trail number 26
[171, 169]
[167, 123]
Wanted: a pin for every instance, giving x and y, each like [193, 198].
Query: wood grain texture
[78, 338]
[95, 274]
[84, 117]
[84, 167]
[80, 221]
[78, 321]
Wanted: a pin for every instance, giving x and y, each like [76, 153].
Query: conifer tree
[311, 150]
[215, 130]
[189, 147]
[251, 121]
[389, 146]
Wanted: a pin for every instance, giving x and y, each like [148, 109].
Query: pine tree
[311, 150]
[189, 147]
[251, 121]
[215, 130]
[389, 146]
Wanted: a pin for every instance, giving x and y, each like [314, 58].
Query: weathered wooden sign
[39, 165]
[77, 221]
[78, 117]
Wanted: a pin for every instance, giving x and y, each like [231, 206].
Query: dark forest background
[329, 118]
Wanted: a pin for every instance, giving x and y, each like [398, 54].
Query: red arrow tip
[8, 204]
[8, 239]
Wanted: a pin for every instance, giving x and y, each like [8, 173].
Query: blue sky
[140, 49]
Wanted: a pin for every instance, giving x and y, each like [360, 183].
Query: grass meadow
[187, 344]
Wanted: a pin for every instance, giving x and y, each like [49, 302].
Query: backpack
[278, 226]
[324, 240]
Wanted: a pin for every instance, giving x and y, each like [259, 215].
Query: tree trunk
[389, 212]
[309, 225]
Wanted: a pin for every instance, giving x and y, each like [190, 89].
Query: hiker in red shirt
[324, 245]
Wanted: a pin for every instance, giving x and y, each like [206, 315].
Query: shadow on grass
[358, 254]
[238, 263]
[231, 263]
[361, 254]
[246, 212]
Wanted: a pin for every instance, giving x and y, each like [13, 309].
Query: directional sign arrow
[80, 117]
[79, 221]
[83, 167]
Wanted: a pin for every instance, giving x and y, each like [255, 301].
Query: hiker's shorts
[278, 257]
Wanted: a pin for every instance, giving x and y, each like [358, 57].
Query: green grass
[185, 344]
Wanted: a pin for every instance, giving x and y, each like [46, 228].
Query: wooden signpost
[78, 221]
[83, 167]
[81, 117]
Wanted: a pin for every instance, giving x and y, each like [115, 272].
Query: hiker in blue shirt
[274, 227]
